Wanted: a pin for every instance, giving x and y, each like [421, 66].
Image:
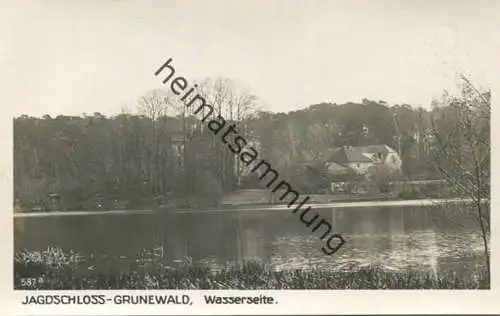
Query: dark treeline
[164, 153]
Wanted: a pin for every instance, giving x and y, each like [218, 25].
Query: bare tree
[460, 150]
[155, 106]
[235, 103]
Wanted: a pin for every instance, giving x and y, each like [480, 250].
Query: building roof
[350, 154]
[372, 149]
[346, 155]
[337, 169]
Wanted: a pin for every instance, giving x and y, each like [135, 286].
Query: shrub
[57, 270]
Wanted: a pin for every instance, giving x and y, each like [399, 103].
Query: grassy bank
[55, 270]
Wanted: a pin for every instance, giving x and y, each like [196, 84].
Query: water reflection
[396, 238]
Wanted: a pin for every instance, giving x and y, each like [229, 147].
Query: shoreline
[249, 276]
[251, 208]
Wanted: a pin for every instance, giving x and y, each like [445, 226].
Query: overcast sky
[71, 57]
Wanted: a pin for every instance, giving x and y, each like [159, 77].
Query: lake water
[428, 238]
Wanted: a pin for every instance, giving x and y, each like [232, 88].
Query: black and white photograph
[250, 145]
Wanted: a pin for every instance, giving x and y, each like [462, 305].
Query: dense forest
[162, 153]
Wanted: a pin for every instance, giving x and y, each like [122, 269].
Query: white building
[362, 158]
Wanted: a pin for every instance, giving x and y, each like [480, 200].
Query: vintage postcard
[249, 157]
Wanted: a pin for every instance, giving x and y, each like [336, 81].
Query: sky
[75, 57]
